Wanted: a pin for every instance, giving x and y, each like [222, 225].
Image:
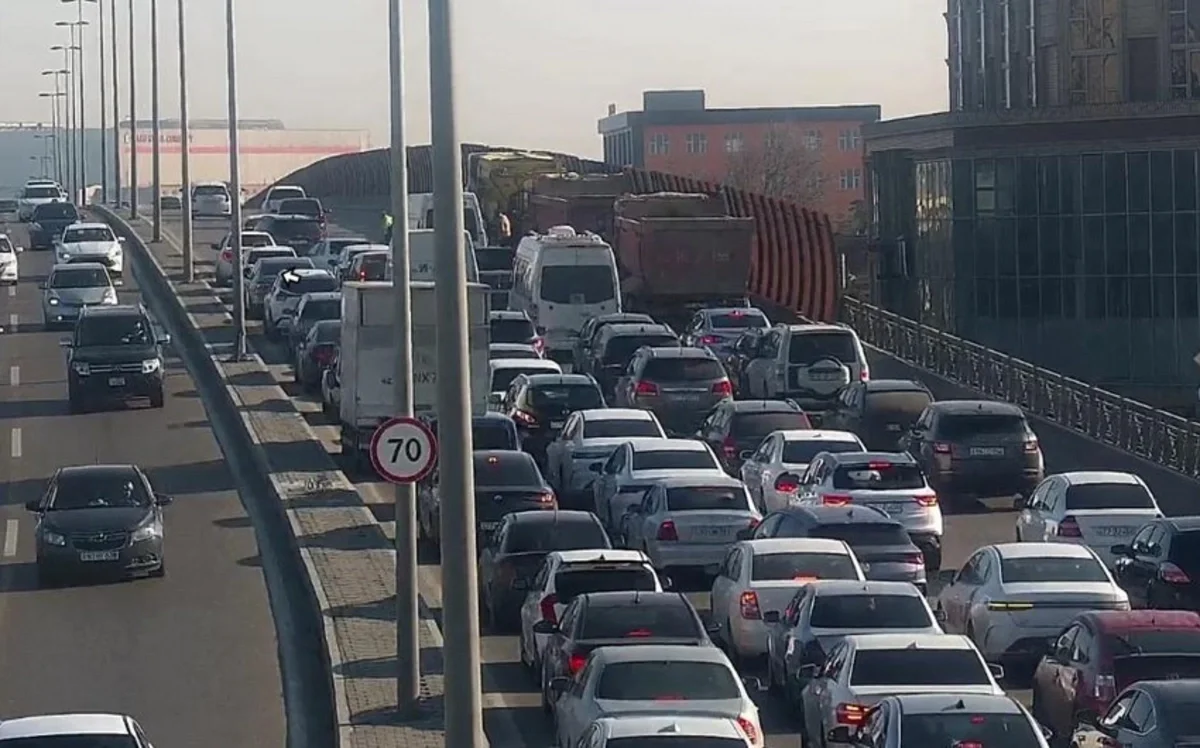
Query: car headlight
[52, 300]
[82, 368]
[147, 531]
[53, 538]
[151, 365]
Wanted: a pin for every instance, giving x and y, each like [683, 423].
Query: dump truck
[502, 179]
[583, 202]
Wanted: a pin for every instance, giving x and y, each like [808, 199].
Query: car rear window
[667, 680]
[289, 230]
[81, 740]
[267, 254]
[803, 452]
[675, 741]
[1016, 570]
[963, 426]
[761, 424]
[898, 402]
[1185, 550]
[519, 352]
[273, 266]
[570, 396]
[508, 330]
[493, 436]
[323, 309]
[962, 729]
[279, 194]
[737, 320]
[256, 240]
[328, 332]
[210, 190]
[502, 378]
[302, 284]
[673, 459]
[1108, 496]
[862, 534]
[779, 567]
[878, 476]
[491, 259]
[302, 205]
[620, 349]
[704, 498]
[34, 193]
[578, 284]
[517, 469]
[55, 211]
[683, 370]
[579, 579]
[611, 428]
[810, 348]
[570, 535]
[869, 612]
[656, 619]
[918, 667]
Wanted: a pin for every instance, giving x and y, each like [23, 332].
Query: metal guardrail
[1155, 435]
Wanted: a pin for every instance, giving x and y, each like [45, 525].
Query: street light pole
[155, 125]
[69, 107]
[116, 110]
[235, 188]
[408, 646]
[185, 166]
[103, 113]
[460, 585]
[133, 140]
[55, 127]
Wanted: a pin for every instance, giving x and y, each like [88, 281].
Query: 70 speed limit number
[403, 450]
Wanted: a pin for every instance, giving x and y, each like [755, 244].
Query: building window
[814, 183]
[660, 144]
[1095, 27]
[849, 140]
[697, 143]
[1185, 49]
[734, 142]
[851, 179]
[813, 140]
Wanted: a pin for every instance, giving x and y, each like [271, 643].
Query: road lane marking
[14, 376]
[13, 321]
[12, 291]
[11, 528]
[16, 441]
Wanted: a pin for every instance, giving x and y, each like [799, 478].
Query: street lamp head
[57, 48]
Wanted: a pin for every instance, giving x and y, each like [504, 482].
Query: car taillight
[729, 447]
[1031, 445]
[547, 606]
[1172, 574]
[666, 531]
[836, 499]
[750, 729]
[1104, 689]
[749, 605]
[645, 388]
[323, 355]
[864, 375]
[1069, 528]
[538, 343]
[926, 499]
[941, 448]
[547, 498]
[362, 275]
[787, 483]
[753, 523]
[524, 417]
[723, 388]
[914, 558]
[851, 714]
[575, 663]
[226, 255]
[709, 340]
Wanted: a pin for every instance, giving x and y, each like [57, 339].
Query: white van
[420, 215]
[561, 279]
[422, 256]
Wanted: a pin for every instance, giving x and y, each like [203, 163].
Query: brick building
[675, 132]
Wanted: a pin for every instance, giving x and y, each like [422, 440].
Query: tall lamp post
[116, 109]
[155, 125]
[103, 103]
[69, 97]
[235, 186]
[185, 168]
[61, 139]
[134, 183]
[76, 28]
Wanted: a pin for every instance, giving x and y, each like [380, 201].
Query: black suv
[48, 223]
[115, 355]
[540, 404]
[298, 232]
[880, 412]
[736, 428]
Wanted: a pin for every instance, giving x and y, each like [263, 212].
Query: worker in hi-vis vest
[387, 228]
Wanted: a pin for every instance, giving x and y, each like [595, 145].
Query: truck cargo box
[583, 202]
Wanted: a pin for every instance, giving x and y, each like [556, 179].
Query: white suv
[810, 364]
[211, 199]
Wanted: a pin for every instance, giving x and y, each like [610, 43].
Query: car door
[954, 599]
[606, 482]
[1134, 570]
[722, 602]
[821, 693]
[1057, 711]
[810, 482]
[558, 451]
[1029, 520]
[1069, 676]
[753, 470]
[531, 610]
[794, 639]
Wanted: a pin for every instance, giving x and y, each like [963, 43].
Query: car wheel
[157, 398]
[933, 558]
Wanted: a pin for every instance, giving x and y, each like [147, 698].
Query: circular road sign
[403, 450]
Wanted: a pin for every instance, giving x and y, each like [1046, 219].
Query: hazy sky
[530, 72]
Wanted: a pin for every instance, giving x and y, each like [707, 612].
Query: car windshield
[779, 567]
[632, 621]
[328, 331]
[571, 397]
[543, 537]
[910, 402]
[963, 426]
[296, 230]
[511, 330]
[56, 212]
[683, 370]
[1148, 641]
[758, 425]
[71, 741]
[99, 490]
[322, 309]
[809, 348]
[584, 578]
[113, 330]
[38, 193]
[6, 246]
[210, 190]
[673, 459]
[517, 469]
[863, 534]
[918, 667]
[502, 378]
[279, 194]
[305, 206]
[616, 427]
[878, 476]
[493, 436]
[620, 349]
[492, 259]
[578, 284]
[1108, 496]
[80, 278]
[738, 320]
[870, 612]
[667, 680]
[257, 240]
[301, 284]
[945, 730]
[1042, 569]
[91, 234]
[802, 452]
[704, 498]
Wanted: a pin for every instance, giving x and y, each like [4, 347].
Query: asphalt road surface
[512, 713]
[191, 656]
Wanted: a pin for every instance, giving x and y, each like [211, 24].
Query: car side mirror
[34, 505]
[545, 627]
[162, 499]
[996, 670]
[712, 628]
[745, 534]
[596, 467]
[771, 616]
[668, 584]
[163, 339]
[120, 240]
[1121, 549]
[1022, 502]
[839, 734]
[520, 585]
[746, 454]
[66, 343]
[18, 250]
[560, 685]
[808, 671]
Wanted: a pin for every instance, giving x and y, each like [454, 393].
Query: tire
[157, 398]
[544, 686]
[933, 558]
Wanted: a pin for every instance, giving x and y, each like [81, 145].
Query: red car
[1101, 652]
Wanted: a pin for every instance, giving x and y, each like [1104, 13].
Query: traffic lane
[173, 652]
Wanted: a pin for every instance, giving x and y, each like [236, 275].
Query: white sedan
[9, 270]
[250, 239]
[637, 464]
[91, 242]
[773, 472]
[591, 435]
[649, 729]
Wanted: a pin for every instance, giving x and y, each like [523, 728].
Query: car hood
[97, 519]
[103, 354]
[89, 248]
[78, 295]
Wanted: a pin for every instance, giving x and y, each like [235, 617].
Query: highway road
[191, 656]
[511, 701]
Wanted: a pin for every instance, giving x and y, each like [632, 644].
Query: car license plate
[714, 532]
[116, 381]
[1113, 531]
[987, 451]
[488, 526]
[557, 424]
[890, 508]
[99, 555]
[895, 427]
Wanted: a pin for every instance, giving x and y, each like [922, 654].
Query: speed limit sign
[403, 450]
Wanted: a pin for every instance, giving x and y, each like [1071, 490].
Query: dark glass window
[963, 235]
[1185, 180]
[1185, 244]
[1072, 199]
[963, 199]
[1006, 184]
[1006, 247]
[1006, 298]
[1141, 305]
[1116, 245]
[1027, 187]
[985, 247]
[1164, 297]
[1139, 245]
[1049, 192]
[1093, 183]
[1027, 247]
[985, 297]
[1162, 244]
[1161, 181]
[1093, 245]
[1049, 247]
[1114, 183]
[1071, 291]
[1093, 298]
[1030, 298]
[1052, 298]
[1139, 182]
[1118, 298]
[1187, 297]
[1072, 245]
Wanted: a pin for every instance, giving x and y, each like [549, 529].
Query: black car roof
[102, 470]
[765, 406]
[961, 407]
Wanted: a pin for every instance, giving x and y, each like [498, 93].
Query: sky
[528, 73]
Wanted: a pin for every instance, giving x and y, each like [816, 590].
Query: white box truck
[367, 359]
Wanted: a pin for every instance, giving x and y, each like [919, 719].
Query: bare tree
[782, 165]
